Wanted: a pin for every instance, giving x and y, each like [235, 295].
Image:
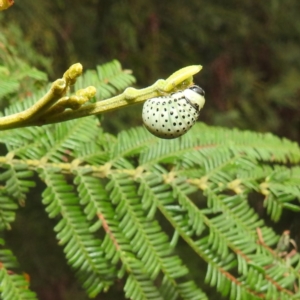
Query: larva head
[195, 95]
[172, 116]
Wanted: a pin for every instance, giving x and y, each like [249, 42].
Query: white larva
[169, 117]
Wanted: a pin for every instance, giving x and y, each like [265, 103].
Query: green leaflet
[124, 206]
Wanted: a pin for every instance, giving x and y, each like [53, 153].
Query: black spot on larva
[169, 129]
[170, 101]
[177, 130]
[164, 103]
[176, 117]
[156, 121]
[163, 125]
[174, 124]
[180, 123]
[166, 121]
[165, 109]
[157, 109]
[175, 100]
[152, 125]
[183, 117]
[180, 110]
[162, 115]
[171, 113]
[188, 123]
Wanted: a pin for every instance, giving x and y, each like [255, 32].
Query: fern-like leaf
[124, 204]
[12, 284]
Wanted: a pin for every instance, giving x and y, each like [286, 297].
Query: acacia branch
[56, 107]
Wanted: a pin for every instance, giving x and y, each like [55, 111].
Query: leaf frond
[13, 284]
[125, 204]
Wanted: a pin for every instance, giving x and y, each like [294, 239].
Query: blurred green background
[250, 51]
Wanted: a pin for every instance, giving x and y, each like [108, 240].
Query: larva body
[171, 116]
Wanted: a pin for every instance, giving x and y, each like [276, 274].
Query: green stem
[45, 112]
[130, 96]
